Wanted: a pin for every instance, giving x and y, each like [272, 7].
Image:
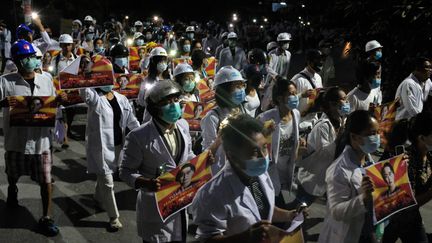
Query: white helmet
[158, 51]
[66, 39]
[138, 35]
[88, 18]
[38, 53]
[138, 23]
[77, 21]
[284, 37]
[271, 46]
[182, 68]
[372, 45]
[190, 29]
[162, 89]
[227, 74]
[232, 35]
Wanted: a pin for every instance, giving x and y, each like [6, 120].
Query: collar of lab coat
[36, 81]
[239, 188]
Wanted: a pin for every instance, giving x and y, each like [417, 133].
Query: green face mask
[188, 85]
[29, 64]
[171, 112]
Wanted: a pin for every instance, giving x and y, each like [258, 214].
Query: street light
[303, 6]
[234, 18]
[262, 26]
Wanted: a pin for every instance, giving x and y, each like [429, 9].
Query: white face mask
[162, 66]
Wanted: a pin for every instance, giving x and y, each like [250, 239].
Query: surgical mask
[189, 85]
[148, 36]
[285, 46]
[190, 35]
[121, 62]
[238, 96]
[171, 112]
[162, 66]
[139, 42]
[293, 102]
[256, 167]
[345, 109]
[39, 63]
[89, 36]
[99, 49]
[186, 48]
[370, 144]
[30, 64]
[378, 55]
[106, 89]
[375, 83]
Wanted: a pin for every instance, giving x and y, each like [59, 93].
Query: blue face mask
[190, 36]
[293, 102]
[171, 112]
[99, 50]
[106, 89]
[256, 167]
[121, 62]
[345, 109]
[161, 67]
[238, 96]
[378, 55]
[186, 48]
[370, 144]
[188, 86]
[375, 83]
[139, 42]
[30, 64]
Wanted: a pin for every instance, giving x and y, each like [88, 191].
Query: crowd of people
[321, 135]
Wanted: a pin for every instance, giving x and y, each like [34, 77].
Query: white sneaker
[115, 224]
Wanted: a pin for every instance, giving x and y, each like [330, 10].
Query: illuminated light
[127, 17]
[283, 3]
[300, 17]
[303, 6]
[254, 20]
[156, 18]
[234, 15]
[346, 50]
[308, 23]
[34, 15]
[129, 41]
[50, 68]
[173, 53]
[231, 25]
[235, 18]
[265, 19]
[262, 26]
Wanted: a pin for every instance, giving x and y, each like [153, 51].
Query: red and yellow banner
[392, 189]
[205, 92]
[134, 57]
[211, 68]
[179, 186]
[73, 96]
[33, 111]
[194, 111]
[386, 115]
[86, 73]
[128, 84]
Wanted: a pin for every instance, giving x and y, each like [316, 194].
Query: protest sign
[194, 111]
[128, 84]
[33, 111]
[386, 115]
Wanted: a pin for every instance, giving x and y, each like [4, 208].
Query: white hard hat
[38, 53]
[372, 45]
[183, 68]
[66, 39]
[284, 37]
[227, 74]
[138, 23]
[224, 35]
[158, 51]
[138, 35]
[88, 18]
[232, 35]
[190, 29]
[162, 89]
[77, 21]
[271, 45]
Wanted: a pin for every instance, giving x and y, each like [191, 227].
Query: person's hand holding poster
[86, 73]
[32, 111]
[128, 84]
[386, 115]
[392, 189]
[179, 186]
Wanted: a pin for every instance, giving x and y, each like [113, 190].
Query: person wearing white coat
[232, 55]
[285, 137]
[349, 192]
[321, 146]
[280, 58]
[109, 114]
[158, 146]
[415, 90]
[238, 205]
[5, 45]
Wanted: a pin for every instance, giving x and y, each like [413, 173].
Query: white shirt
[360, 100]
[27, 140]
[303, 84]
[62, 64]
[280, 63]
[412, 94]
[251, 105]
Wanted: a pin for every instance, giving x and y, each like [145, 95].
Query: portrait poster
[386, 115]
[33, 111]
[211, 68]
[193, 112]
[128, 84]
[206, 93]
[85, 72]
[179, 186]
[392, 189]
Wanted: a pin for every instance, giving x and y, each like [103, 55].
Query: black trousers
[406, 225]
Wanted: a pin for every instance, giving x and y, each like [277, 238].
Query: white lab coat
[412, 96]
[321, 149]
[5, 43]
[360, 100]
[303, 84]
[276, 65]
[144, 152]
[281, 172]
[226, 206]
[226, 58]
[346, 210]
[100, 146]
